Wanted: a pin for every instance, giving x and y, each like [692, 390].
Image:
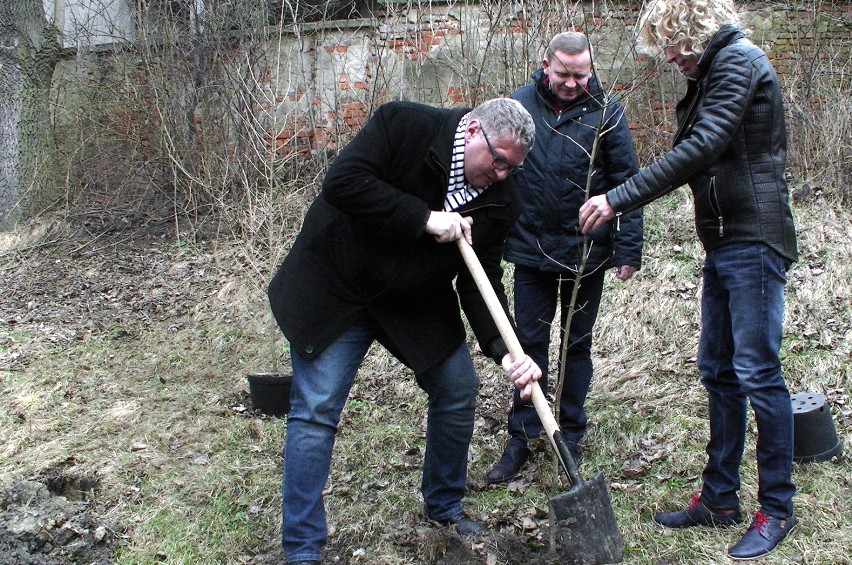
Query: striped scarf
[459, 192]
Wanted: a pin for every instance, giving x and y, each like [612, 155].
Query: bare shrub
[218, 107]
[811, 53]
[819, 106]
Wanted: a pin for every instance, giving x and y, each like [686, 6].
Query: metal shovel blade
[586, 530]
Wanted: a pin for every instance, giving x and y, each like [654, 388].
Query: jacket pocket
[713, 195]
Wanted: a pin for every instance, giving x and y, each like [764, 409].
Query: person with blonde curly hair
[730, 148]
[687, 25]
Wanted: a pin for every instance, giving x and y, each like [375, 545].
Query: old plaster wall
[311, 86]
[459, 53]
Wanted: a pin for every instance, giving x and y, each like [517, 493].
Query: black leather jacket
[730, 148]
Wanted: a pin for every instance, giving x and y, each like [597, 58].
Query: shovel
[586, 530]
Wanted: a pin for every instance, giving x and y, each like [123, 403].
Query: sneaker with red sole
[763, 535]
[699, 514]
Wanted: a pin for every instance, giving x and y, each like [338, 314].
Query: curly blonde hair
[688, 23]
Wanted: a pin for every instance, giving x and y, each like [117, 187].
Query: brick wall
[300, 93]
[457, 54]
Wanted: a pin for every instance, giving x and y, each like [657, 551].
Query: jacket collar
[726, 35]
[440, 152]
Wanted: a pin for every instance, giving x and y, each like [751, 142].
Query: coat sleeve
[355, 181]
[620, 164]
[730, 90]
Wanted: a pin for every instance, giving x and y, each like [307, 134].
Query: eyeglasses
[499, 163]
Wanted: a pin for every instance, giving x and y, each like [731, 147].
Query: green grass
[205, 488]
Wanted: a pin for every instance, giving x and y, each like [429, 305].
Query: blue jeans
[536, 296]
[742, 310]
[319, 391]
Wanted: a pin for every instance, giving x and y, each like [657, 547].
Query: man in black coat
[376, 261]
[573, 116]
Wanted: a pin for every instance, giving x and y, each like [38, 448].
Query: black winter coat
[363, 251]
[730, 148]
[552, 185]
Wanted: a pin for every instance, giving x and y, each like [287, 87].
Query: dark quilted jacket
[730, 148]
[552, 185]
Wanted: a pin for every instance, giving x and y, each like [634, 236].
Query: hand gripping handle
[495, 308]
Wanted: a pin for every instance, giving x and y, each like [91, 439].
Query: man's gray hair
[570, 42]
[506, 117]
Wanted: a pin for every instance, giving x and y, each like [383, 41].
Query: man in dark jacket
[571, 113]
[375, 261]
[730, 148]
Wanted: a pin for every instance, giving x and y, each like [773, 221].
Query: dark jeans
[742, 310]
[536, 296]
[320, 388]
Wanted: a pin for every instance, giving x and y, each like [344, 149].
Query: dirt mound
[39, 527]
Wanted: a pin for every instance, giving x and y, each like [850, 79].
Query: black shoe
[514, 457]
[763, 535]
[464, 524]
[575, 452]
[699, 514]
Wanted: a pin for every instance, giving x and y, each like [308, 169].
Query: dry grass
[125, 363]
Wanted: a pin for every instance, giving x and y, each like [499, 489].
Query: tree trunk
[29, 52]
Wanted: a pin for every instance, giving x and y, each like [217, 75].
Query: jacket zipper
[689, 116]
[714, 203]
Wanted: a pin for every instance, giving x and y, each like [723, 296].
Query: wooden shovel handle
[495, 308]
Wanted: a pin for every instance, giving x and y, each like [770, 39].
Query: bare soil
[39, 525]
[103, 283]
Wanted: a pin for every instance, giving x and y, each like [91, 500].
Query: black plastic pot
[270, 392]
[814, 436]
